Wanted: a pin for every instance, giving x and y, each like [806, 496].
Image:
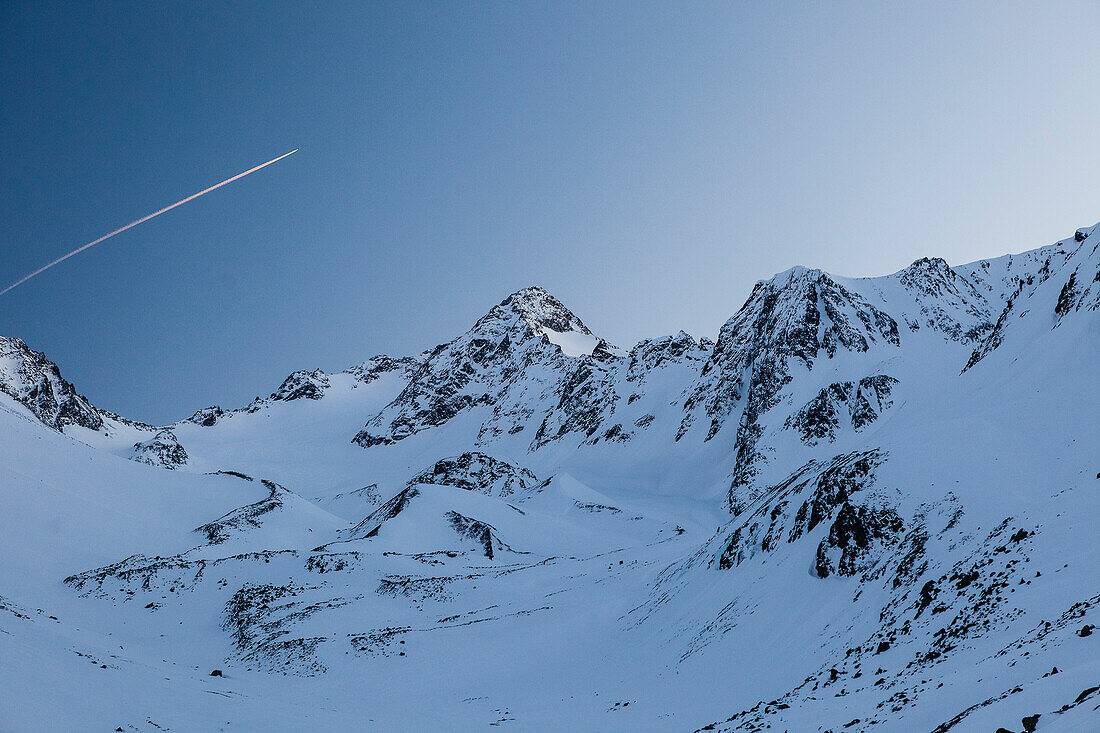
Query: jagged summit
[530, 332]
[535, 308]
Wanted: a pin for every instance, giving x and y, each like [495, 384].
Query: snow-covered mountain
[868, 504]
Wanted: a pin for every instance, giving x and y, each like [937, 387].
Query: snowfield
[868, 504]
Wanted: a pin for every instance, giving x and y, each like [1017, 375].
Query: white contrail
[59, 260]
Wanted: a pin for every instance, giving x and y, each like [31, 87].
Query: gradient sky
[645, 162]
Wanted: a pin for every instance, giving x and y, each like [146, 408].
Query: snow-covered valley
[868, 504]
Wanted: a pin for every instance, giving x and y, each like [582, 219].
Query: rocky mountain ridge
[879, 492]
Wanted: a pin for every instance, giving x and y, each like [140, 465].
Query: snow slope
[868, 504]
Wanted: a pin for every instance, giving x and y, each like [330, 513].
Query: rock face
[788, 324]
[796, 317]
[946, 301]
[508, 377]
[34, 380]
[855, 403]
[377, 366]
[481, 532]
[818, 492]
[475, 471]
[163, 450]
[302, 385]
[373, 522]
[207, 417]
[312, 385]
[497, 364]
[849, 547]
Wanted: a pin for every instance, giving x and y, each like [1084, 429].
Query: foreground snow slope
[869, 504]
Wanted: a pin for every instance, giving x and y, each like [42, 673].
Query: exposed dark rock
[163, 450]
[481, 532]
[1085, 694]
[823, 489]
[35, 381]
[207, 416]
[479, 368]
[1024, 287]
[961, 581]
[650, 355]
[796, 317]
[585, 397]
[378, 366]
[261, 617]
[948, 302]
[373, 522]
[856, 403]
[237, 474]
[1067, 298]
[852, 533]
[475, 471]
[928, 593]
[591, 507]
[781, 321]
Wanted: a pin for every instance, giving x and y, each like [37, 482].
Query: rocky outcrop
[302, 385]
[482, 533]
[372, 523]
[312, 385]
[1064, 278]
[586, 397]
[853, 403]
[207, 416]
[847, 550]
[163, 450]
[650, 355]
[476, 471]
[378, 366]
[815, 493]
[35, 381]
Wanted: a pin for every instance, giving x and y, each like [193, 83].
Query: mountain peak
[540, 310]
[794, 274]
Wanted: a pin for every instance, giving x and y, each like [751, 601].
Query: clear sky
[645, 162]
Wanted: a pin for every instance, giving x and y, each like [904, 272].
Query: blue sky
[645, 162]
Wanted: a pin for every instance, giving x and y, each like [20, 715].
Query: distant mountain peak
[537, 308]
[792, 274]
